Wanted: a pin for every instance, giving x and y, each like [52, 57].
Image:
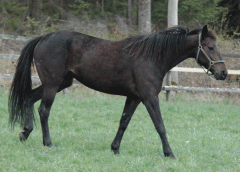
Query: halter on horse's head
[210, 57]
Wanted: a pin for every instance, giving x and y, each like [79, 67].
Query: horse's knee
[43, 112]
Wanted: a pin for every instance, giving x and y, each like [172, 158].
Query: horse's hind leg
[48, 97]
[33, 96]
[130, 106]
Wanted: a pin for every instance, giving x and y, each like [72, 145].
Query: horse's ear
[204, 31]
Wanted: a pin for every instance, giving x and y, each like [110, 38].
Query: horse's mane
[167, 42]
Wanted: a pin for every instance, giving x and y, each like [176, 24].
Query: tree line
[225, 14]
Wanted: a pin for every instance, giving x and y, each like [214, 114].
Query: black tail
[21, 85]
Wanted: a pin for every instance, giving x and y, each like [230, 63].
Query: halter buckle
[212, 63]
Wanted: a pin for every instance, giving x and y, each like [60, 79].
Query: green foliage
[204, 11]
[110, 8]
[79, 7]
[201, 12]
[31, 24]
[159, 10]
[12, 15]
[50, 10]
[34, 27]
[117, 7]
[230, 19]
[11, 7]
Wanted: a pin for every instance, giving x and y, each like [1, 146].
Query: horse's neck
[189, 50]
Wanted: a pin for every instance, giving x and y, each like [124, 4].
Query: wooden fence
[168, 87]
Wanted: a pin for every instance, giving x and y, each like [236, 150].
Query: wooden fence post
[168, 83]
[65, 92]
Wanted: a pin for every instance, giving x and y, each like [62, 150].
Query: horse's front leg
[152, 105]
[130, 106]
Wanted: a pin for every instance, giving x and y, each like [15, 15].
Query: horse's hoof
[22, 137]
[170, 155]
[116, 151]
[48, 144]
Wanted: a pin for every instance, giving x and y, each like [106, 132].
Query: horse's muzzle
[221, 75]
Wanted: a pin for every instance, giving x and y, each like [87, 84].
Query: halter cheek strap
[210, 60]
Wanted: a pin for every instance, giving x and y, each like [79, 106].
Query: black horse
[133, 67]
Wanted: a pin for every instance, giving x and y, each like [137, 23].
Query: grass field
[204, 136]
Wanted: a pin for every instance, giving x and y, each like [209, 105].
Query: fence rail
[220, 90]
[167, 88]
[34, 78]
[9, 56]
[15, 38]
[200, 70]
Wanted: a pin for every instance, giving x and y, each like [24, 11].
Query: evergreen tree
[232, 17]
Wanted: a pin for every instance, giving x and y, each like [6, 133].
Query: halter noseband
[210, 60]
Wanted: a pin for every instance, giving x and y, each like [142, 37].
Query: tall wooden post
[172, 21]
[168, 83]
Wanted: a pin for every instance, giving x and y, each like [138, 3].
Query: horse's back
[104, 66]
[97, 63]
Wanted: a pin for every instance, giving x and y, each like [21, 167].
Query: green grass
[204, 136]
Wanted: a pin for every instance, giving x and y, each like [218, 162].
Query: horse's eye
[211, 48]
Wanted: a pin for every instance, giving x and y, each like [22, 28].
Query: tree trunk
[61, 5]
[144, 16]
[129, 13]
[37, 9]
[173, 21]
[102, 6]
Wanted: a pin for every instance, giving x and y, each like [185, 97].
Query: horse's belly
[108, 83]
[106, 87]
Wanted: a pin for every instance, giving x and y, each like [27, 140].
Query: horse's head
[208, 54]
